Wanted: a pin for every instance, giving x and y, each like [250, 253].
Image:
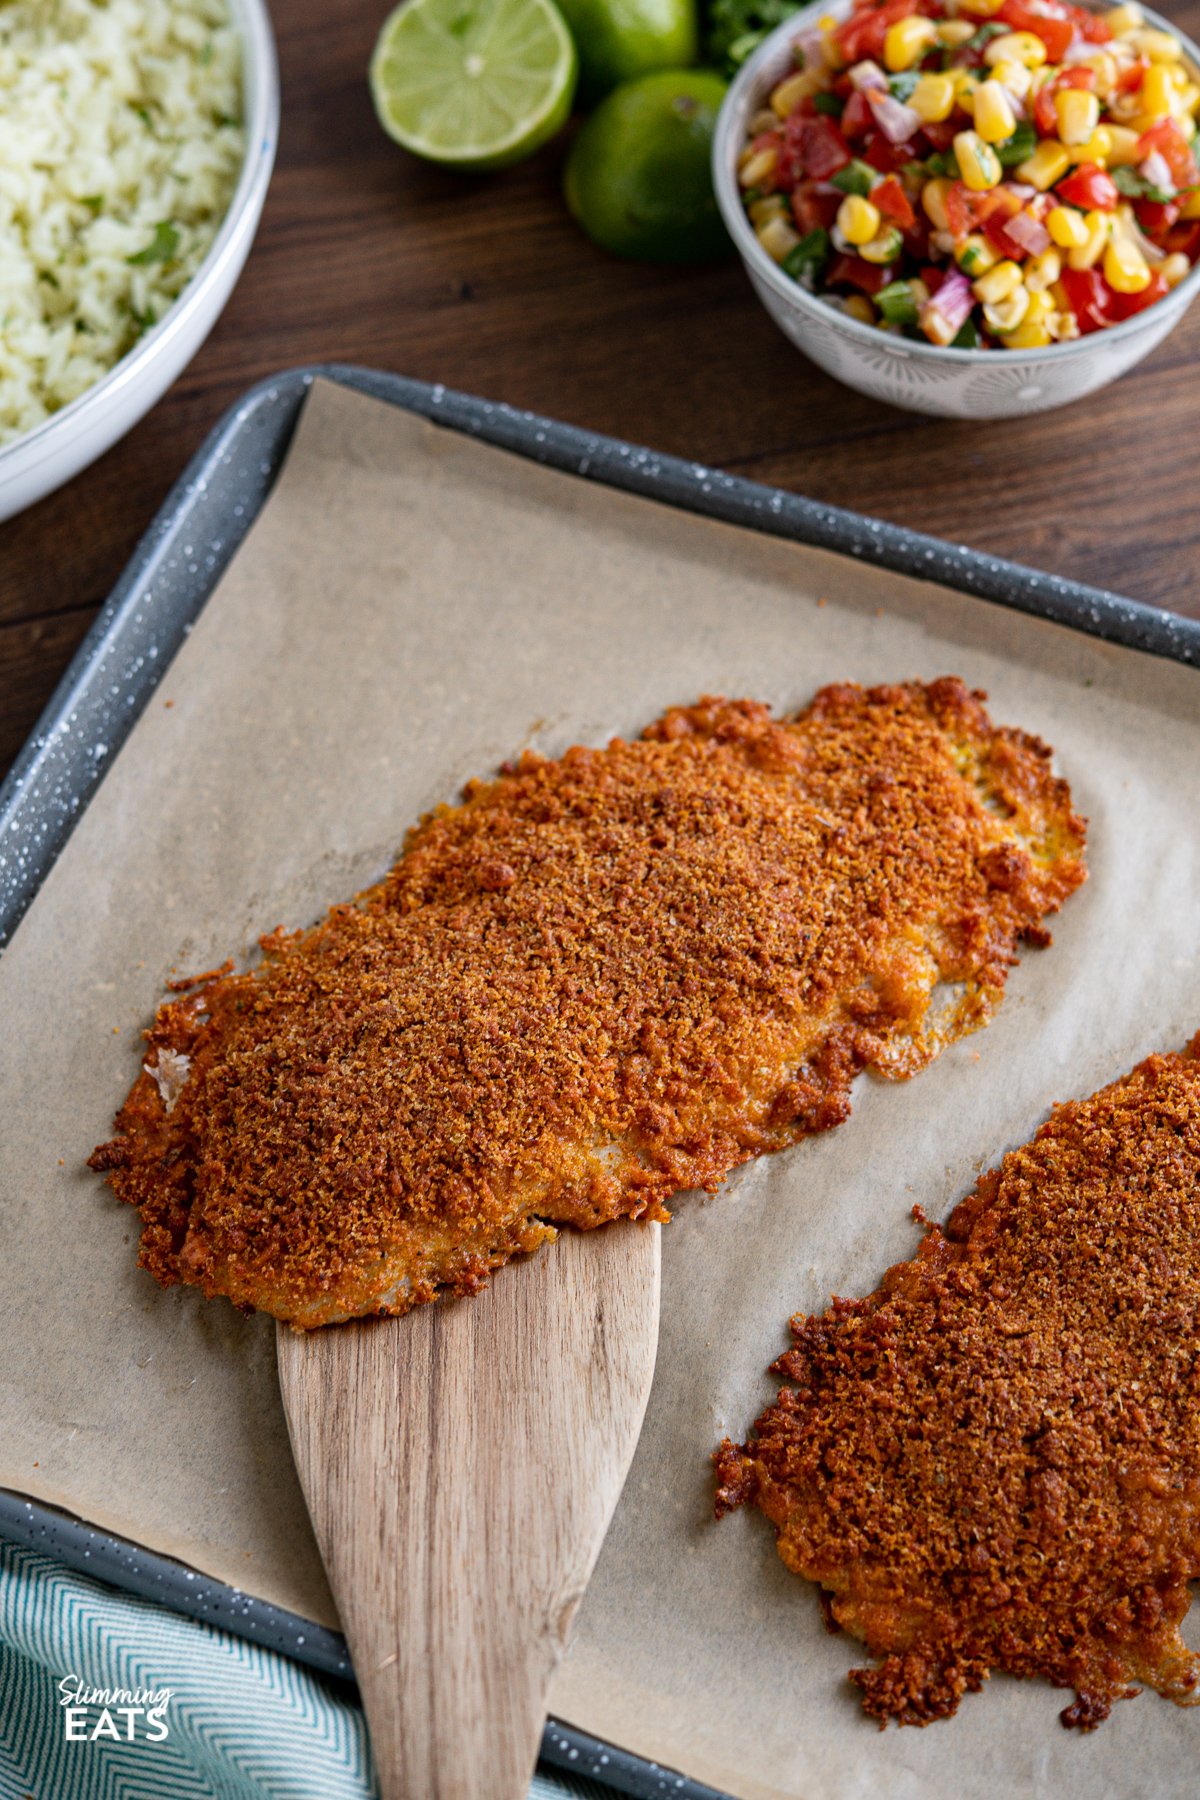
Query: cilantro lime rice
[120, 146]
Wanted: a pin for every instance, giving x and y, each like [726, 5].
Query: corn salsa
[980, 173]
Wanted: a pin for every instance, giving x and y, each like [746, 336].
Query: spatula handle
[460, 1466]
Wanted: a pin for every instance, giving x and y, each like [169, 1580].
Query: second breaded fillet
[993, 1461]
[595, 982]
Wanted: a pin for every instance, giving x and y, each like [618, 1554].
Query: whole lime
[638, 178]
[621, 39]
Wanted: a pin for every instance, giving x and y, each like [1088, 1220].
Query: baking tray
[172, 574]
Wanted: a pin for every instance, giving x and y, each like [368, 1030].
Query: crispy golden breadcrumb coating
[595, 982]
[993, 1461]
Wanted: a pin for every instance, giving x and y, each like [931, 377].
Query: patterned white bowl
[955, 384]
[33, 465]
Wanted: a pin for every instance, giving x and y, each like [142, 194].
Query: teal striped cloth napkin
[240, 1723]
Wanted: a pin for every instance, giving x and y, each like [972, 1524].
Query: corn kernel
[860, 308]
[980, 9]
[1016, 46]
[759, 167]
[975, 255]
[1063, 325]
[953, 32]
[995, 119]
[788, 95]
[1187, 98]
[1066, 227]
[933, 201]
[1005, 315]
[1187, 126]
[1095, 150]
[1157, 92]
[1159, 46]
[966, 83]
[977, 162]
[777, 238]
[1125, 268]
[1106, 71]
[1078, 114]
[1015, 77]
[932, 99]
[771, 206]
[1041, 272]
[1191, 207]
[1029, 335]
[884, 247]
[906, 42]
[1174, 268]
[1098, 226]
[1048, 164]
[1123, 145]
[857, 220]
[998, 283]
[1121, 20]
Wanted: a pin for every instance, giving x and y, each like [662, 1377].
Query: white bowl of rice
[136, 145]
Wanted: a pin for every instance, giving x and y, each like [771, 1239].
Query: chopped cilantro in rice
[120, 147]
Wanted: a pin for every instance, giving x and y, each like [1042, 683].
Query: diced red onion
[952, 302]
[809, 44]
[1157, 171]
[1017, 104]
[1021, 191]
[1029, 232]
[866, 75]
[897, 122]
[1078, 50]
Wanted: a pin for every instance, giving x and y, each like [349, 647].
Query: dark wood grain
[365, 255]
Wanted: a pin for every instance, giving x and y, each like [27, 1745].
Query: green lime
[474, 84]
[620, 39]
[638, 178]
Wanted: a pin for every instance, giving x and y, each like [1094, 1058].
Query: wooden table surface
[365, 255]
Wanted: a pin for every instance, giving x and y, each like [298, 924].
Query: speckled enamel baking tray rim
[128, 650]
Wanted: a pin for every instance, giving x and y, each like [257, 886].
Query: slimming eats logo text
[126, 1714]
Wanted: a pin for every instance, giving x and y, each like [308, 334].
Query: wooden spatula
[461, 1465]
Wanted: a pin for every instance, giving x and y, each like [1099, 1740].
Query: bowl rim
[726, 143]
[260, 88]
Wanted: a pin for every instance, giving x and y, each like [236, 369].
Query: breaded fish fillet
[596, 981]
[993, 1461]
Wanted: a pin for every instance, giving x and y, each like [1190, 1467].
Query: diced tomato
[968, 210]
[1123, 306]
[1173, 147]
[813, 211]
[1183, 239]
[894, 203]
[942, 132]
[857, 118]
[1089, 186]
[1090, 298]
[862, 35]
[1156, 216]
[1090, 25]
[916, 238]
[1044, 115]
[1131, 79]
[933, 276]
[853, 271]
[886, 156]
[823, 149]
[1047, 20]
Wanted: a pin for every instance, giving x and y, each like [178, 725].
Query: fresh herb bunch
[736, 27]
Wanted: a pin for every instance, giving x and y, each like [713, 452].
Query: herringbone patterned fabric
[242, 1723]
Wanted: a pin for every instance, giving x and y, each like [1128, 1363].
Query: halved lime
[474, 84]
